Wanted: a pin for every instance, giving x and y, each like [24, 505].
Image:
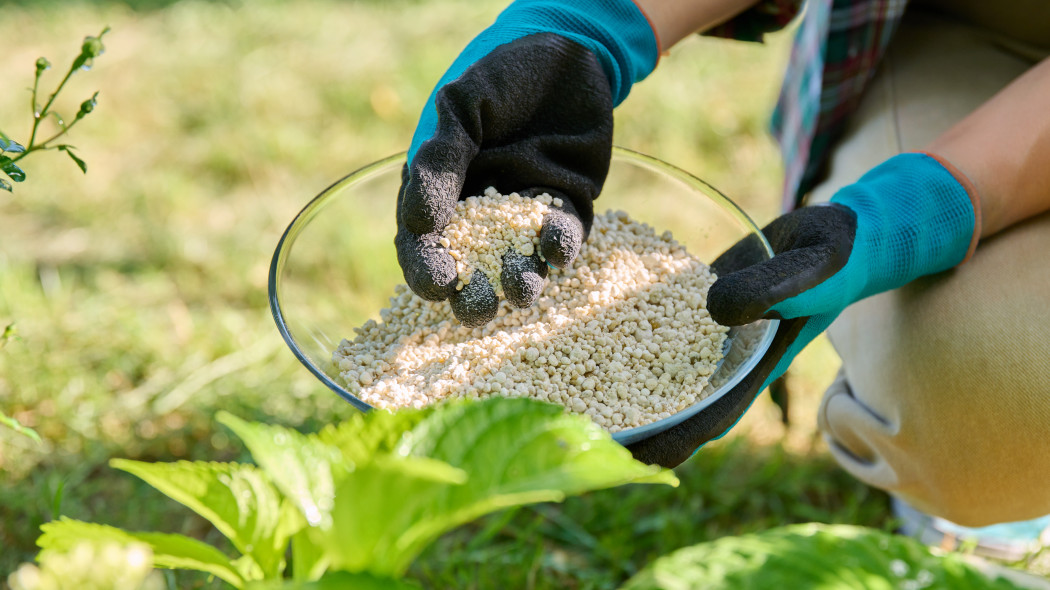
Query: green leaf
[69, 151]
[10, 145]
[308, 560]
[812, 556]
[169, 551]
[516, 451]
[363, 436]
[12, 170]
[304, 468]
[238, 499]
[338, 581]
[17, 427]
[6, 186]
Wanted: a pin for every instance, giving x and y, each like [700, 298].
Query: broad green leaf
[536, 444]
[10, 145]
[169, 551]
[303, 468]
[812, 556]
[17, 427]
[6, 186]
[13, 171]
[376, 505]
[363, 436]
[69, 152]
[238, 499]
[308, 560]
[516, 451]
[338, 581]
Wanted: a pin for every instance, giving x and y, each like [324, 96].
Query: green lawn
[139, 289]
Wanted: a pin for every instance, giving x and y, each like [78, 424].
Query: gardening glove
[527, 108]
[910, 216]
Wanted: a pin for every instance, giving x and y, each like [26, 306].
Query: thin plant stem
[43, 145]
[37, 117]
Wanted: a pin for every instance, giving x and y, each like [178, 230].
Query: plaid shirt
[838, 45]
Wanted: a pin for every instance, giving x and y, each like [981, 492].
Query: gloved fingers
[749, 250]
[562, 234]
[436, 174]
[476, 303]
[747, 295]
[522, 278]
[429, 270]
[811, 245]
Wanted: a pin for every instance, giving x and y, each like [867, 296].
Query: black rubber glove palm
[810, 245]
[533, 116]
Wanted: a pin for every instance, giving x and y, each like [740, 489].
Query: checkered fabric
[838, 45]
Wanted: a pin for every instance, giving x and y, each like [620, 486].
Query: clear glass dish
[335, 266]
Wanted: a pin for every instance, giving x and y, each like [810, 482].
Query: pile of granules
[483, 228]
[622, 335]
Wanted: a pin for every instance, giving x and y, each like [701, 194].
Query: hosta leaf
[515, 451]
[813, 556]
[338, 581]
[169, 551]
[304, 468]
[238, 499]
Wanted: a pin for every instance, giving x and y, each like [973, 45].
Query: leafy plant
[12, 152]
[358, 501]
[813, 556]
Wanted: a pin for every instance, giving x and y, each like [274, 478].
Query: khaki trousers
[944, 396]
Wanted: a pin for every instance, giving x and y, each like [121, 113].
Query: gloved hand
[527, 108]
[908, 217]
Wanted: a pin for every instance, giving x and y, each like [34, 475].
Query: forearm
[1004, 149]
[674, 20]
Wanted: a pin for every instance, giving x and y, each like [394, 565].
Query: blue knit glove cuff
[913, 219]
[616, 31]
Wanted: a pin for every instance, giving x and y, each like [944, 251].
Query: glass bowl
[335, 266]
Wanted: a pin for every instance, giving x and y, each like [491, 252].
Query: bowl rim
[626, 436]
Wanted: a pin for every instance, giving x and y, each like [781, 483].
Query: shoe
[1008, 541]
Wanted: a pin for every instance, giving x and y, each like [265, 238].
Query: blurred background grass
[139, 289]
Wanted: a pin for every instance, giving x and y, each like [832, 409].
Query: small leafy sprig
[11, 152]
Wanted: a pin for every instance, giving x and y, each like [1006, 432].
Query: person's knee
[943, 468]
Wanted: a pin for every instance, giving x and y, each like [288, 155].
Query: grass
[139, 289]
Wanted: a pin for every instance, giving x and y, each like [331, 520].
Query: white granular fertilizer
[483, 228]
[623, 335]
